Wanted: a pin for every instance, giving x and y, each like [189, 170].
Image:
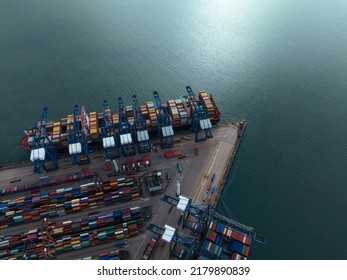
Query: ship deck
[215, 156]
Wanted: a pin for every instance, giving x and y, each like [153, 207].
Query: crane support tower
[200, 120]
[165, 130]
[78, 146]
[181, 246]
[141, 129]
[47, 240]
[43, 146]
[206, 213]
[124, 131]
[109, 134]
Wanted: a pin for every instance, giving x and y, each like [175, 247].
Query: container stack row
[144, 111]
[75, 235]
[212, 248]
[64, 134]
[182, 110]
[129, 112]
[203, 96]
[226, 243]
[239, 248]
[99, 120]
[231, 233]
[94, 125]
[115, 119]
[90, 238]
[112, 255]
[67, 201]
[174, 112]
[85, 174]
[152, 114]
[56, 132]
[150, 247]
[69, 120]
[172, 153]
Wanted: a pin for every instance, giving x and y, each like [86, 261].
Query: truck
[107, 165]
[178, 189]
[214, 175]
[180, 219]
[179, 167]
[115, 164]
[120, 244]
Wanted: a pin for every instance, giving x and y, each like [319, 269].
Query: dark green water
[282, 65]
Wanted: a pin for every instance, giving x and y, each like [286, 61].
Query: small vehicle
[179, 167]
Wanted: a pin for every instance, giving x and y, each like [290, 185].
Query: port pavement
[215, 156]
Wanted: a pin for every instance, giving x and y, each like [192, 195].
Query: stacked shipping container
[129, 112]
[71, 235]
[224, 242]
[182, 110]
[112, 255]
[56, 132]
[66, 201]
[174, 112]
[203, 96]
[150, 247]
[84, 174]
[153, 118]
[93, 125]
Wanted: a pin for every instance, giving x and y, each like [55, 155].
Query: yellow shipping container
[120, 236]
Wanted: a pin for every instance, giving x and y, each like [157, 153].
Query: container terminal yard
[157, 203]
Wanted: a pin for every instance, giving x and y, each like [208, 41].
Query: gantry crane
[47, 240]
[28, 253]
[124, 131]
[142, 135]
[165, 130]
[206, 213]
[43, 146]
[77, 142]
[181, 246]
[109, 134]
[85, 124]
[200, 212]
[200, 121]
[197, 219]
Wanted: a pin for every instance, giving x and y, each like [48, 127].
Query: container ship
[180, 112]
